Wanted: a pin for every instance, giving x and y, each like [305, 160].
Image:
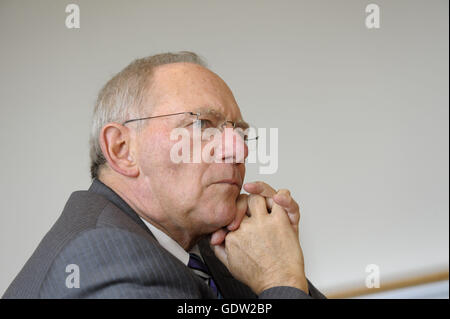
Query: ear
[115, 142]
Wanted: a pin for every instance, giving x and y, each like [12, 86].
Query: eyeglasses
[211, 119]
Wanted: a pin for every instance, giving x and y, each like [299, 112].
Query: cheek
[151, 148]
[183, 181]
[155, 154]
[219, 204]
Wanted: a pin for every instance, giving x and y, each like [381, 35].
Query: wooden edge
[390, 285]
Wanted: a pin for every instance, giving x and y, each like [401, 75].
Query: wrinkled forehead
[187, 87]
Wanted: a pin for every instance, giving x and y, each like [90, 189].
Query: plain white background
[362, 116]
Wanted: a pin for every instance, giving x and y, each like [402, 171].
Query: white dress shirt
[171, 245]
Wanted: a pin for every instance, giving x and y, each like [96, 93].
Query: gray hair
[123, 94]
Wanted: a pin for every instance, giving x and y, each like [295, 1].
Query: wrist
[299, 282]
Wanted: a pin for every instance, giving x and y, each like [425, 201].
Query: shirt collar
[171, 245]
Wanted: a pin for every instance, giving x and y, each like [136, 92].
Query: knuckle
[255, 198]
[250, 199]
[284, 191]
[259, 184]
[264, 186]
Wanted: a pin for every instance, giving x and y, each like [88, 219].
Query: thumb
[219, 251]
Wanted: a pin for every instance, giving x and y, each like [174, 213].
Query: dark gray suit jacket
[118, 257]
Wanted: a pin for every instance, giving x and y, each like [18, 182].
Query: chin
[224, 213]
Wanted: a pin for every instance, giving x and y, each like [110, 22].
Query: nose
[233, 148]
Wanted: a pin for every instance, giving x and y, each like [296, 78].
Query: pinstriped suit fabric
[118, 257]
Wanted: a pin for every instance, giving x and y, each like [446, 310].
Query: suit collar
[101, 189]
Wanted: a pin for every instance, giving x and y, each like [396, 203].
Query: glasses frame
[190, 113]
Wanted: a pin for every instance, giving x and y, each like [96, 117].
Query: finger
[280, 212]
[241, 210]
[245, 220]
[219, 251]
[285, 200]
[262, 189]
[218, 236]
[257, 206]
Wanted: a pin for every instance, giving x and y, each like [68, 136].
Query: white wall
[362, 115]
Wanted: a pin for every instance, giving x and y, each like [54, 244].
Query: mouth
[231, 182]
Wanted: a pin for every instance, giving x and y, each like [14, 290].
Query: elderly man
[152, 227]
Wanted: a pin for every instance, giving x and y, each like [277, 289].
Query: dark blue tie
[199, 267]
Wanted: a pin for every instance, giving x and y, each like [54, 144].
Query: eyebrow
[204, 109]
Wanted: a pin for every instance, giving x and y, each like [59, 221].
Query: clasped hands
[261, 246]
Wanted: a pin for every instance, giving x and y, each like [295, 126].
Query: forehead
[181, 87]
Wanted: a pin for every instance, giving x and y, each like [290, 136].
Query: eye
[204, 123]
